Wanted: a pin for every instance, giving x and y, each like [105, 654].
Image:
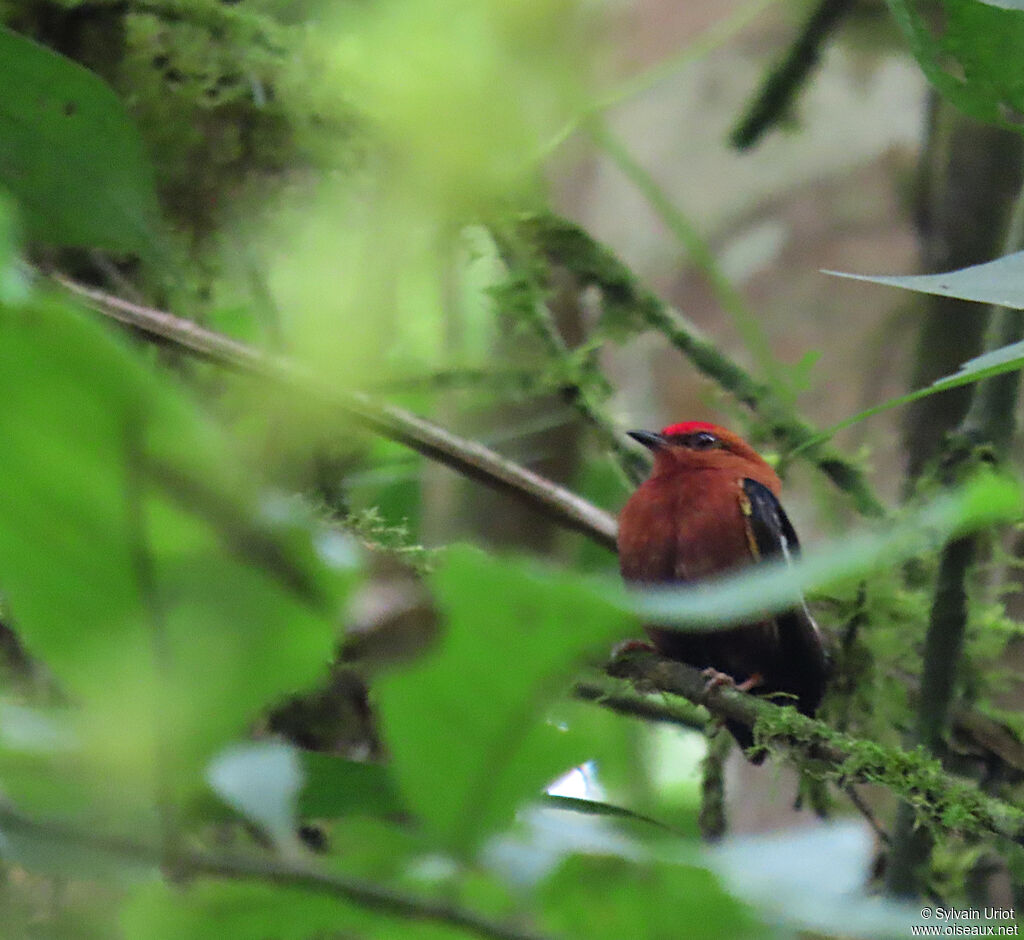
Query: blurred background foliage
[253, 687]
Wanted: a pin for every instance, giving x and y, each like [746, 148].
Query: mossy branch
[712, 818]
[631, 307]
[938, 800]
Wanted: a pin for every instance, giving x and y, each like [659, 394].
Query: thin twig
[782, 85]
[270, 870]
[712, 818]
[467, 457]
[855, 798]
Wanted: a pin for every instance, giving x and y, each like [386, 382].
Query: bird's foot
[716, 679]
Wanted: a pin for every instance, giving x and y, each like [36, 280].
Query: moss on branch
[630, 307]
[939, 801]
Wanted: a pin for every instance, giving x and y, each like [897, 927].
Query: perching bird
[710, 506]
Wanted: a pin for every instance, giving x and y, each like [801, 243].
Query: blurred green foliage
[182, 551]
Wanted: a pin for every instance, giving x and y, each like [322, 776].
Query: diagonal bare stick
[432, 441]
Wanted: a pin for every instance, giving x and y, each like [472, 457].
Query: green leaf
[336, 787]
[465, 726]
[169, 597]
[996, 282]
[612, 897]
[70, 154]
[237, 911]
[970, 51]
[13, 280]
[999, 282]
[332, 788]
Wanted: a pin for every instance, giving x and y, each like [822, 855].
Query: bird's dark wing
[771, 531]
[802, 652]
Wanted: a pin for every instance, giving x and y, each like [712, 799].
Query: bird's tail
[745, 739]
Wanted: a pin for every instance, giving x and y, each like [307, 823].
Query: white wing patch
[788, 555]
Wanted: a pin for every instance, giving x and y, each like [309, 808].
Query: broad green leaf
[970, 51]
[238, 910]
[333, 788]
[612, 897]
[336, 787]
[999, 282]
[465, 725]
[13, 280]
[813, 879]
[170, 598]
[70, 154]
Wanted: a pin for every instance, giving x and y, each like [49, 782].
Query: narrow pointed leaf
[999, 282]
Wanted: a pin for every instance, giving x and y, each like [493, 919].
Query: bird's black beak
[650, 439]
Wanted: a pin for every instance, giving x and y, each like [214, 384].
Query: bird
[711, 506]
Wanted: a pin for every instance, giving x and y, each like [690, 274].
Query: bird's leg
[752, 682]
[716, 679]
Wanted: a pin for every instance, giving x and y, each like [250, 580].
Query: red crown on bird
[688, 427]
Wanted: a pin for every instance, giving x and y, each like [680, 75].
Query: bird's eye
[702, 440]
